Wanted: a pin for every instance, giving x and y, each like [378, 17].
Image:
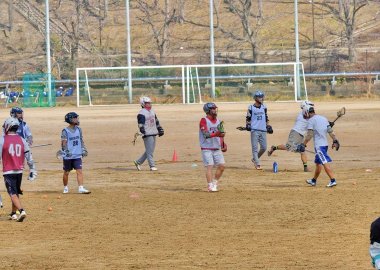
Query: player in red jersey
[13, 151]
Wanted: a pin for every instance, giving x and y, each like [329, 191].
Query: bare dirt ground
[167, 220]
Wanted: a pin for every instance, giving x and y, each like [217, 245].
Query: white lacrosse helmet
[144, 100]
[307, 107]
[9, 123]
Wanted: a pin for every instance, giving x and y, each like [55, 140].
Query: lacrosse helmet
[70, 116]
[259, 96]
[144, 100]
[16, 110]
[209, 106]
[307, 107]
[11, 123]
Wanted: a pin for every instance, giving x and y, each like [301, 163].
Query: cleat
[305, 169]
[153, 169]
[137, 165]
[311, 182]
[214, 186]
[272, 149]
[331, 184]
[12, 216]
[21, 217]
[65, 190]
[257, 166]
[82, 190]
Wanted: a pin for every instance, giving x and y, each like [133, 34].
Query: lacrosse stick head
[341, 112]
[60, 154]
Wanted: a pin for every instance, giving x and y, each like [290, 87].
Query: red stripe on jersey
[13, 153]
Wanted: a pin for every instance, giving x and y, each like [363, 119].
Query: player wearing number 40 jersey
[13, 151]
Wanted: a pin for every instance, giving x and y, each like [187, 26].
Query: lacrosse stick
[137, 134]
[41, 145]
[339, 114]
[241, 128]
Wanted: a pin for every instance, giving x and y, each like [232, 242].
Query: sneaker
[272, 149]
[257, 166]
[306, 169]
[82, 190]
[331, 184]
[137, 165]
[311, 182]
[214, 186]
[153, 169]
[21, 217]
[65, 190]
[12, 216]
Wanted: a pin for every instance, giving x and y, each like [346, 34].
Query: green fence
[35, 90]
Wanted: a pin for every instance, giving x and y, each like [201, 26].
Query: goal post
[237, 82]
[109, 85]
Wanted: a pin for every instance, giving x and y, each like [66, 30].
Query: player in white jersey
[317, 129]
[73, 149]
[297, 133]
[257, 122]
[211, 140]
[149, 127]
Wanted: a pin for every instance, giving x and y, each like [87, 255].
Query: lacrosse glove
[336, 144]
[269, 129]
[84, 152]
[301, 148]
[32, 175]
[221, 127]
[160, 131]
[248, 127]
[331, 124]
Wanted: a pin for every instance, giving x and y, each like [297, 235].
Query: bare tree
[251, 20]
[159, 18]
[345, 12]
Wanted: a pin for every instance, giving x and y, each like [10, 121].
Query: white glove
[84, 152]
[32, 175]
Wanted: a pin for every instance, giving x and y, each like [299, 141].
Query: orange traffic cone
[175, 157]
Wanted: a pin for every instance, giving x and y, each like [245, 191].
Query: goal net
[238, 82]
[110, 85]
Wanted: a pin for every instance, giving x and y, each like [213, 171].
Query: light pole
[312, 21]
[128, 51]
[297, 83]
[47, 41]
[212, 61]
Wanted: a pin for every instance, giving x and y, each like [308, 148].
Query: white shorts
[212, 157]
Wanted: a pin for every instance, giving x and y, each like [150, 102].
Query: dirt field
[167, 220]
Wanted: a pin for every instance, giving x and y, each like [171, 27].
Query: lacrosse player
[317, 129]
[149, 127]
[211, 140]
[13, 151]
[257, 122]
[374, 248]
[73, 149]
[23, 129]
[297, 134]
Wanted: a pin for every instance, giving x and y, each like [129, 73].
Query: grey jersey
[258, 117]
[74, 141]
[150, 124]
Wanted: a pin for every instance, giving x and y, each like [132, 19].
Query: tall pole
[298, 83]
[128, 52]
[312, 14]
[47, 41]
[212, 61]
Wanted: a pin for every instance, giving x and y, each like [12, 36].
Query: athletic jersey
[13, 149]
[150, 124]
[301, 124]
[74, 141]
[211, 127]
[24, 130]
[319, 125]
[258, 117]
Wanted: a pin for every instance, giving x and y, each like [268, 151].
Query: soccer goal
[110, 85]
[237, 82]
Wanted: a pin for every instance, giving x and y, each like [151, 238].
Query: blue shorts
[13, 183]
[321, 156]
[69, 164]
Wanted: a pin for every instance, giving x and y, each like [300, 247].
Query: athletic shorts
[212, 157]
[321, 156]
[374, 252]
[294, 140]
[13, 183]
[69, 164]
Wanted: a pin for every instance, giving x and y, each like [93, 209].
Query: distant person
[23, 129]
[317, 129]
[149, 127]
[13, 151]
[374, 248]
[73, 149]
[257, 122]
[211, 140]
[297, 133]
